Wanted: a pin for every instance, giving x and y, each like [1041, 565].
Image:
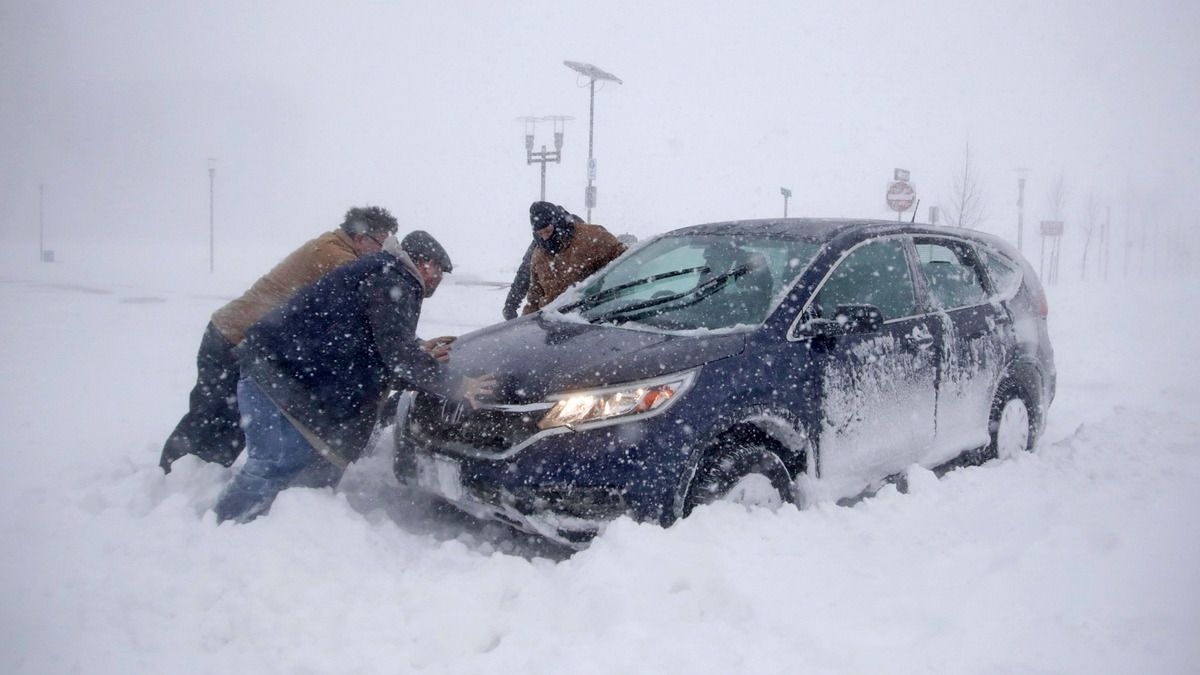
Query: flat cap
[421, 246]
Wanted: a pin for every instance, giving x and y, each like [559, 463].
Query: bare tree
[1056, 200]
[966, 207]
[1091, 213]
[1131, 198]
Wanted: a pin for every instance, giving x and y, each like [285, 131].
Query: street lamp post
[1021, 173]
[212, 179]
[787, 194]
[592, 73]
[544, 156]
[41, 222]
[44, 254]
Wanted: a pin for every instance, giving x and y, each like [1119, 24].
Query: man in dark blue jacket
[315, 371]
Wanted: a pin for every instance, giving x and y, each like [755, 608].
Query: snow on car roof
[826, 229]
[819, 229]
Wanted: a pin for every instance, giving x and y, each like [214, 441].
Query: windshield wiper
[609, 293]
[641, 310]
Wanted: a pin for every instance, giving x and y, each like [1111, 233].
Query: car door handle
[919, 342]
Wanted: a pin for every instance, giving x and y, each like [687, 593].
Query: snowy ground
[1083, 557]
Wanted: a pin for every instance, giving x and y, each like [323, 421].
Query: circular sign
[900, 196]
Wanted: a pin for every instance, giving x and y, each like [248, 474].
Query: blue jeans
[277, 457]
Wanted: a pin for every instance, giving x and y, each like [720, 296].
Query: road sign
[900, 196]
[900, 174]
[1052, 228]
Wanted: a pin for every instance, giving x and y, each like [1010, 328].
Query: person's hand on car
[438, 347]
[476, 388]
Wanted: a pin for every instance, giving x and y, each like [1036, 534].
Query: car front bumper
[564, 486]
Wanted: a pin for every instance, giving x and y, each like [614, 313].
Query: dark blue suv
[758, 361]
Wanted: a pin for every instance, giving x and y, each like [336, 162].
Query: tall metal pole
[212, 177]
[1021, 214]
[1042, 260]
[591, 160]
[543, 198]
[592, 73]
[1104, 238]
[41, 222]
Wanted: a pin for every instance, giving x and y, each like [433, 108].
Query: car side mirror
[822, 328]
[859, 318]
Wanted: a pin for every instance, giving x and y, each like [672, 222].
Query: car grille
[452, 425]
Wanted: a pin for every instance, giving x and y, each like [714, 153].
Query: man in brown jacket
[211, 428]
[568, 251]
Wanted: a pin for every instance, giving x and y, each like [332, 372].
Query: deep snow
[1083, 557]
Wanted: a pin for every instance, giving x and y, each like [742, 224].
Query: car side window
[876, 274]
[1005, 274]
[951, 274]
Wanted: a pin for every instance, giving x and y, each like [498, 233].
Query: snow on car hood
[533, 357]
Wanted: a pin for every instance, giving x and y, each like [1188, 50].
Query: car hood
[533, 357]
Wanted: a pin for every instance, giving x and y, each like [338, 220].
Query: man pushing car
[568, 251]
[211, 430]
[315, 371]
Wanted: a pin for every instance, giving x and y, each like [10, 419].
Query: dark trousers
[279, 457]
[211, 429]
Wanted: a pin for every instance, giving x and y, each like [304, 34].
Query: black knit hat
[542, 214]
[421, 246]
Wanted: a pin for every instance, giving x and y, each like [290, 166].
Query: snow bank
[1081, 557]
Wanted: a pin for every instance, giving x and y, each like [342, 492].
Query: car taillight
[1043, 306]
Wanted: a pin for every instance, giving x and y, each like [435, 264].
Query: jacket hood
[560, 239]
[533, 357]
[392, 246]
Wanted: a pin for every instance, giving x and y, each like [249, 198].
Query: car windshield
[695, 281]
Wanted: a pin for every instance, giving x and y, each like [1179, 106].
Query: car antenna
[914, 218]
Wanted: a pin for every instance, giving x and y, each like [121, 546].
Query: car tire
[745, 473]
[1011, 424]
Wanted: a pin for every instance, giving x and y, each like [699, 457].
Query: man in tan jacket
[211, 428]
[568, 251]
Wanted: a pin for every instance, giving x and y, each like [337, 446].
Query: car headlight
[649, 397]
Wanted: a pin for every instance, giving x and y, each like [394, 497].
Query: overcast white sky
[312, 107]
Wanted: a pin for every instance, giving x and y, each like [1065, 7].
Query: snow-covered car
[761, 361]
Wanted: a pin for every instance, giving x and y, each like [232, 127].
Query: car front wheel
[742, 473]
